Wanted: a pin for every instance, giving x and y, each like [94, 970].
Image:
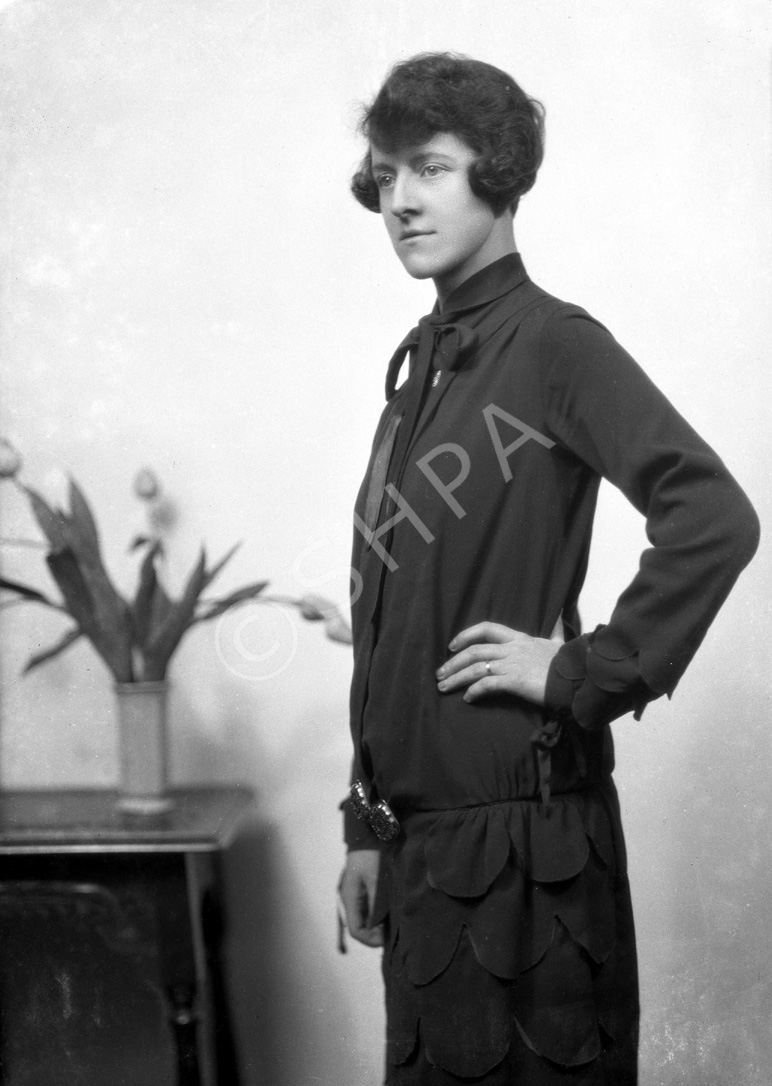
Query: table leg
[213, 928]
[177, 917]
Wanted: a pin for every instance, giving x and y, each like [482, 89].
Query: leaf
[163, 641]
[212, 573]
[111, 640]
[52, 523]
[142, 608]
[109, 623]
[67, 573]
[82, 521]
[89, 595]
[162, 607]
[67, 639]
[219, 607]
[29, 593]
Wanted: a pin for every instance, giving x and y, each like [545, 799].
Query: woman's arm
[602, 408]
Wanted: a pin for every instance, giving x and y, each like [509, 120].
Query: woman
[485, 846]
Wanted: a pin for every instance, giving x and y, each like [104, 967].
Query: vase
[142, 743]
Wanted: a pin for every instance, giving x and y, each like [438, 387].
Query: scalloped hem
[545, 962]
[521, 1066]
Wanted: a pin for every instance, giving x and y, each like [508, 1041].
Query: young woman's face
[438, 227]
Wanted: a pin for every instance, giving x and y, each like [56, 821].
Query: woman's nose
[404, 195]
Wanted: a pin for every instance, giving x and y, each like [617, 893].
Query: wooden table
[111, 928]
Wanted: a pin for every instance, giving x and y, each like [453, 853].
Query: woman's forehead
[444, 144]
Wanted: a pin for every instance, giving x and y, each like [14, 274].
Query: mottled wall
[187, 284]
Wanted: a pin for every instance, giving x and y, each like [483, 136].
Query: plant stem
[13, 541]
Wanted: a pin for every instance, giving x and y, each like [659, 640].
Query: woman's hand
[357, 894]
[493, 659]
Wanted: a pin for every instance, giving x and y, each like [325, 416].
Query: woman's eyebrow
[429, 153]
[424, 155]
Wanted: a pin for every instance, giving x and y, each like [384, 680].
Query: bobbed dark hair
[482, 105]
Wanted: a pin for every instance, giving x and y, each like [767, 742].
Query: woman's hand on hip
[493, 659]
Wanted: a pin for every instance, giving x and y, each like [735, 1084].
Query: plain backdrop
[188, 285]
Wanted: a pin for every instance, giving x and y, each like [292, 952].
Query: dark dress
[510, 955]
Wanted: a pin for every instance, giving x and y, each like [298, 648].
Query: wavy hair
[483, 106]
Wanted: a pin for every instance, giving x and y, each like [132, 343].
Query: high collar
[486, 285]
[455, 340]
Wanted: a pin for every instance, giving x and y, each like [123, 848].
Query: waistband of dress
[409, 814]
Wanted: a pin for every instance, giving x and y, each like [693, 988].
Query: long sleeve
[702, 528]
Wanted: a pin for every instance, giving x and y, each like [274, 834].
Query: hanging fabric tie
[452, 344]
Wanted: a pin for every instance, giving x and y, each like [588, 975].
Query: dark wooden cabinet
[110, 937]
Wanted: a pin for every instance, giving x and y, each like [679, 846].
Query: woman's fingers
[480, 673]
[482, 668]
[468, 658]
[356, 890]
[490, 658]
[477, 682]
[490, 632]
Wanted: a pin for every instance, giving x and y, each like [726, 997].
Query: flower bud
[10, 461]
[163, 515]
[337, 629]
[314, 608]
[146, 485]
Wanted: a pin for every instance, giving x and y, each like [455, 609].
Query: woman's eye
[430, 170]
[384, 180]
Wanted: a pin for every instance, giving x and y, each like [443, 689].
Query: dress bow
[453, 344]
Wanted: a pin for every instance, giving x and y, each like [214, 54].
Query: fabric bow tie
[434, 338]
[453, 344]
